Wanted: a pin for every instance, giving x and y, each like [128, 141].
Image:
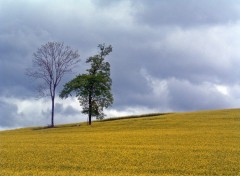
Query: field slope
[196, 143]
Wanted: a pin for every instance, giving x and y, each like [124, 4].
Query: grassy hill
[194, 143]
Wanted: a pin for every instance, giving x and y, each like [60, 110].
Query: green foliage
[196, 143]
[93, 89]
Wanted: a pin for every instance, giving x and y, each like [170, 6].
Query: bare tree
[50, 63]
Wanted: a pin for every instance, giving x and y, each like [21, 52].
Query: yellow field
[198, 143]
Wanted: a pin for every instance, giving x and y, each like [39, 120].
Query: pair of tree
[93, 89]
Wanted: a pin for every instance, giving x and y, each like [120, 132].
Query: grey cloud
[106, 3]
[185, 95]
[13, 114]
[8, 115]
[186, 13]
[63, 114]
[11, 117]
[197, 55]
[178, 95]
[28, 25]
[68, 111]
[194, 41]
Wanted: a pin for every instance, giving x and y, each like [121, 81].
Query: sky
[168, 56]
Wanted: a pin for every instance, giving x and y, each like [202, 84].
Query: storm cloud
[167, 55]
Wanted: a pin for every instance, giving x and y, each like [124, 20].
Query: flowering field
[197, 143]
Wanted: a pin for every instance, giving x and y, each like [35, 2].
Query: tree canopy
[93, 88]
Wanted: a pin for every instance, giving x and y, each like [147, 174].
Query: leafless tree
[50, 63]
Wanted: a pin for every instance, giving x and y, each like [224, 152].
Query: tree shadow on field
[57, 127]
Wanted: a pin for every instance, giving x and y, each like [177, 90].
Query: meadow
[193, 143]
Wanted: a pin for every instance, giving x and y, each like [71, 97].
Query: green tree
[93, 89]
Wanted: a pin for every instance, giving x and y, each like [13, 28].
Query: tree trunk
[52, 119]
[90, 118]
[90, 109]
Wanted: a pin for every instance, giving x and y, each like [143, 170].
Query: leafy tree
[50, 63]
[93, 89]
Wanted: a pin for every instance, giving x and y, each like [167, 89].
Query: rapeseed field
[196, 143]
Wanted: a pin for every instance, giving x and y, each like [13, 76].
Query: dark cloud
[167, 55]
[16, 112]
[8, 115]
[184, 95]
[67, 111]
[12, 116]
[186, 13]
[106, 3]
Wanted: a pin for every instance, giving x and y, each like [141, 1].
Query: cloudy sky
[167, 55]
